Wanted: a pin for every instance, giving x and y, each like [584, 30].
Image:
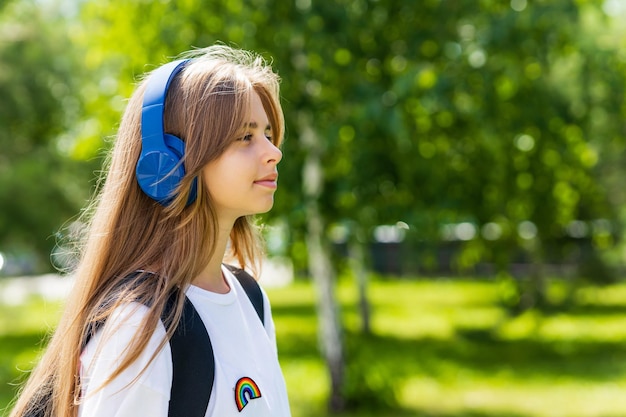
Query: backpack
[192, 374]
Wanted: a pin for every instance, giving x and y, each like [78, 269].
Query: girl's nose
[274, 154]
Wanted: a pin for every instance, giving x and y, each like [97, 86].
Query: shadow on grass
[593, 310]
[294, 310]
[482, 354]
[413, 413]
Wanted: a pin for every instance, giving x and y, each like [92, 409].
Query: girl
[195, 157]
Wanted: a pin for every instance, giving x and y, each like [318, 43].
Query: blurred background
[448, 234]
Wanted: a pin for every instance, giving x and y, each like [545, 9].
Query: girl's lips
[270, 181]
[267, 183]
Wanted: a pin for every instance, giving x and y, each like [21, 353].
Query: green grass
[23, 329]
[440, 348]
[447, 348]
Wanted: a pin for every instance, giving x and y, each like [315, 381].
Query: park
[449, 220]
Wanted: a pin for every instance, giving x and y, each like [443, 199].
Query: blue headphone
[159, 168]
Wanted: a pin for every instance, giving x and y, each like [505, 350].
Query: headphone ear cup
[160, 171]
[174, 144]
[177, 146]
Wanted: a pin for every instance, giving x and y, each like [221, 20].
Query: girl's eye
[246, 137]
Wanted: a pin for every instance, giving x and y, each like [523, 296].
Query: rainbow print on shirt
[245, 390]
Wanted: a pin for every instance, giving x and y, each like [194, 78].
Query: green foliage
[429, 113]
[38, 189]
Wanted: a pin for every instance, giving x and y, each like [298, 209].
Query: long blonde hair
[207, 104]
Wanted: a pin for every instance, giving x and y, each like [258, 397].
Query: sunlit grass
[448, 348]
[503, 396]
[23, 329]
[440, 348]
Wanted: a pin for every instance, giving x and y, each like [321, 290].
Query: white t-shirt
[248, 379]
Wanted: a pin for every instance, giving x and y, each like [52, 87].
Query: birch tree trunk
[321, 268]
[533, 290]
[357, 264]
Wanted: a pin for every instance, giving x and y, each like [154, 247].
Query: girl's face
[242, 181]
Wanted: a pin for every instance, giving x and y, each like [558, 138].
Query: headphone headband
[152, 124]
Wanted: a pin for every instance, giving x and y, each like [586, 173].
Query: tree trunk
[321, 269]
[330, 328]
[533, 291]
[357, 264]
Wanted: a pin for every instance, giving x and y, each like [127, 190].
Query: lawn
[440, 348]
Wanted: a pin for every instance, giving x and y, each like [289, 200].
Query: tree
[38, 186]
[480, 113]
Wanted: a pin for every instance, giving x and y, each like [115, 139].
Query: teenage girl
[110, 355]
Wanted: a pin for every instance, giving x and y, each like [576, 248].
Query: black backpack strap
[252, 289]
[193, 365]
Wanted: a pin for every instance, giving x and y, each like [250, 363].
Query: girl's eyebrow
[254, 125]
